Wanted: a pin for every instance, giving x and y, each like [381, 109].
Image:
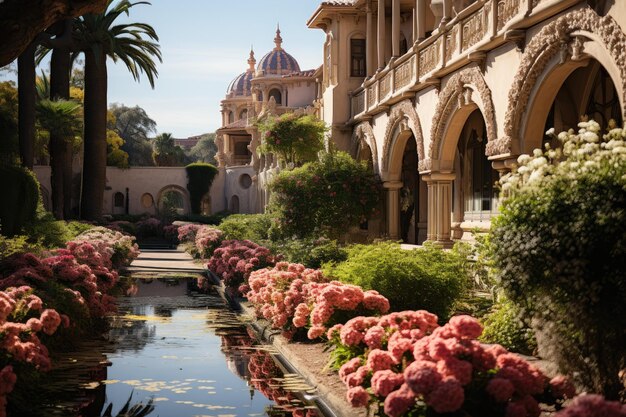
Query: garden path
[164, 261]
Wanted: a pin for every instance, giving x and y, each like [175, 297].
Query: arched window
[234, 204]
[278, 97]
[118, 199]
[231, 117]
[172, 201]
[357, 57]
[243, 115]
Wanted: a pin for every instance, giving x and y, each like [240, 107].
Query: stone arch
[404, 111]
[561, 38]
[177, 188]
[363, 135]
[456, 95]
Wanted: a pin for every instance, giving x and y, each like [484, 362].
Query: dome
[240, 86]
[278, 61]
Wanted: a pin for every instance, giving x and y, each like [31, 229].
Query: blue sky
[205, 44]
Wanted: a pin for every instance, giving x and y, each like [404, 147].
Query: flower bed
[235, 260]
[405, 364]
[293, 297]
[207, 239]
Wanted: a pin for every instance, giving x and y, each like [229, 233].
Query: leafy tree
[8, 121]
[134, 126]
[205, 150]
[99, 37]
[166, 152]
[293, 139]
[115, 155]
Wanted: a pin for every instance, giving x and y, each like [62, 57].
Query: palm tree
[135, 44]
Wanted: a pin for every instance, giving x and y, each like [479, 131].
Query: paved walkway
[169, 261]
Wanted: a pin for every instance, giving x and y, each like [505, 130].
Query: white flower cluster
[581, 153]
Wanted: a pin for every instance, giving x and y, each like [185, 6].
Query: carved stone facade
[402, 111]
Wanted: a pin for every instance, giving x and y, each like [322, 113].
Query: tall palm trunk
[60, 89]
[26, 105]
[95, 157]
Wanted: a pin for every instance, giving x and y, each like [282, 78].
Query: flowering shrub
[170, 233]
[234, 260]
[311, 252]
[187, 232]
[560, 247]
[150, 227]
[413, 367]
[293, 138]
[22, 317]
[113, 247]
[207, 240]
[293, 297]
[323, 198]
[591, 405]
[426, 278]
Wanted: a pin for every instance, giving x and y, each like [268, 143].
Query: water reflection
[179, 346]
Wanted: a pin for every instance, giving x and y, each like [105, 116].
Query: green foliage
[134, 126]
[48, 231]
[427, 278]
[251, 227]
[292, 138]
[77, 228]
[16, 244]
[323, 198]
[166, 152]
[560, 248]
[8, 121]
[503, 326]
[20, 193]
[205, 150]
[310, 252]
[200, 176]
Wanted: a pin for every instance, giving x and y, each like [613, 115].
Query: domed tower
[241, 85]
[278, 61]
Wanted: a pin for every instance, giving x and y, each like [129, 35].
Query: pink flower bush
[149, 227]
[170, 233]
[187, 232]
[235, 260]
[207, 240]
[294, 297]
[405, 360]
[114, 247]
[591, 405]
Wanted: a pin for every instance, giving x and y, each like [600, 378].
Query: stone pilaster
[393, 208]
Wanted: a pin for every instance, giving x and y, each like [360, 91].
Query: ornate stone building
[275, 86]
[443, 95]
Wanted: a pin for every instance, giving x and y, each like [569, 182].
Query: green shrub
[213, 219]
[323, 198]
[292, 138]
[503, 326]
[427, 278]
[311, 253]
[48, 231]
[76, 228]
[16, 244]
[560, 248]
[252, 227]
[20, 195]
[200, 176]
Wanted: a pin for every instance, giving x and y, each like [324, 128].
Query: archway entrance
[474, 193]
[412, 195]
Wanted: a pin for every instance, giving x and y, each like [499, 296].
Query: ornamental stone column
[395, 28]
[381, 34]
[369, 40]
[420, 20]
[393, 208]
[439, 225]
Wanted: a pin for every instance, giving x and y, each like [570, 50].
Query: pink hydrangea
[349, 367]
[562, 387]
[422, 377]
[465, 327]
[447, 396]
[384, 382]
[500, 389]
[399, 401]
[358, 397]
[379, 360]
[374, 337]
[514, 409]
[592, 405]
[457, 369]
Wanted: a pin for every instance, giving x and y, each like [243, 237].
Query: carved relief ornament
[402, 111]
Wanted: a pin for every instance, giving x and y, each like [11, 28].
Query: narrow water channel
[189, 355]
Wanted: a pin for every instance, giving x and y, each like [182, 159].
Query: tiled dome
[240, 86]
[278, 61]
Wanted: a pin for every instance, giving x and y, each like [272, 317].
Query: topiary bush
[252, 227]
[427, 278]
[560, 248]
[200, 176]
[323, 198]
[20, 191]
